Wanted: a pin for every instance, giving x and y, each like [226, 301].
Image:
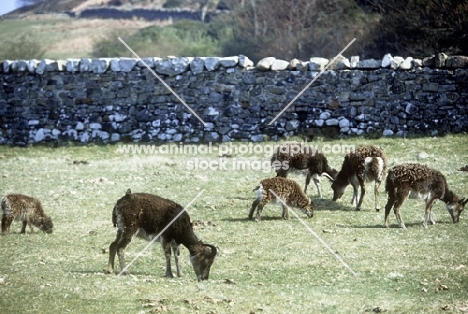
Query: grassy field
[62, 37]
[274, 266]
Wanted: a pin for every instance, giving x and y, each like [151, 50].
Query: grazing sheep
[417, 181]
[146, 215]
[295, 156]
[27, 209]
[366, 164]
[288, 190]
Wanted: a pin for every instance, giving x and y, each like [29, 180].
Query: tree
[294, 28]
[419, 28]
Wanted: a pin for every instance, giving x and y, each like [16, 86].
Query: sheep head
[202, 260]
[456, 207]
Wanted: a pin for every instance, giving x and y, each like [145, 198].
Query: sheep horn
[214, 249]
[329, 177]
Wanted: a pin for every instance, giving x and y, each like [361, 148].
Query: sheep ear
[463, 201]
[129, 192]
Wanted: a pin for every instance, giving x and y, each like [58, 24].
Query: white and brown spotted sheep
[366, 164]
[417, 181]
[298, 156]
[288, 190]
[146, 215]
[27, 209]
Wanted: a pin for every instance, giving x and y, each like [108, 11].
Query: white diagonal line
[308, 85]
[159, 234]
[161, 80]
[314, 234]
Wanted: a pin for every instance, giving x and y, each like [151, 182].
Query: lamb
[27, 209]
[288, 190]
[146, 215]
[418, 181]
[366, 164]
[295, 156]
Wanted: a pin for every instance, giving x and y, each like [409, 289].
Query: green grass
[277, 266]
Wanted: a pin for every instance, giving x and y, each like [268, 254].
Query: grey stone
[85, 64]
[210, 137]
[387, 132]
[407, 64]
[73, 65]
[6, 65]
[317, 64]
[369, 64]
[440, 59]
[279, 65]
[212, 63]
[100, 65]
[197, 65]
[79, 126]
[292, 125]
[344, 123]
[256, 138]
[386, 60]
[395, 63]
[354, 61]
[325, 115]
[177, 137]
[332, 122]
[174, 66]
[319, 122]
[265, 63]
[229, 62]
[411, 109]
[245, 62]
[39, 136]
[32, 65]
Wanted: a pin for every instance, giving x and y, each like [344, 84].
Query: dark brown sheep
[418, 181]
[27, 209]
[298, 156]
[366, 164]
[146, 215]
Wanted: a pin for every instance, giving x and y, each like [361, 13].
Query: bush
[184, 38]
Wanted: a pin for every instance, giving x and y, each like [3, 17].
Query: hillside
[78, 6]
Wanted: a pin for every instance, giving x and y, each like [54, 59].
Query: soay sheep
[146, 215]
[366, 164]
[288, 190]
[295, 156]
[27, 209]
[418, 181]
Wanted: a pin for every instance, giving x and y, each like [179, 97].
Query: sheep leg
[23, 228]
[428, 213]
[376, 195]
[176, 252]
[388, 208]
[354, 183]
[6, 222]
[363, 192]
[167, 252]
[259, 211]
[285, 214]
[254, 205]
[316, 179]
[112, 252]
[400, 199]
[282, 172]
[307, 181]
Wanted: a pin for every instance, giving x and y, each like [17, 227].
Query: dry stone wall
[119, 99]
